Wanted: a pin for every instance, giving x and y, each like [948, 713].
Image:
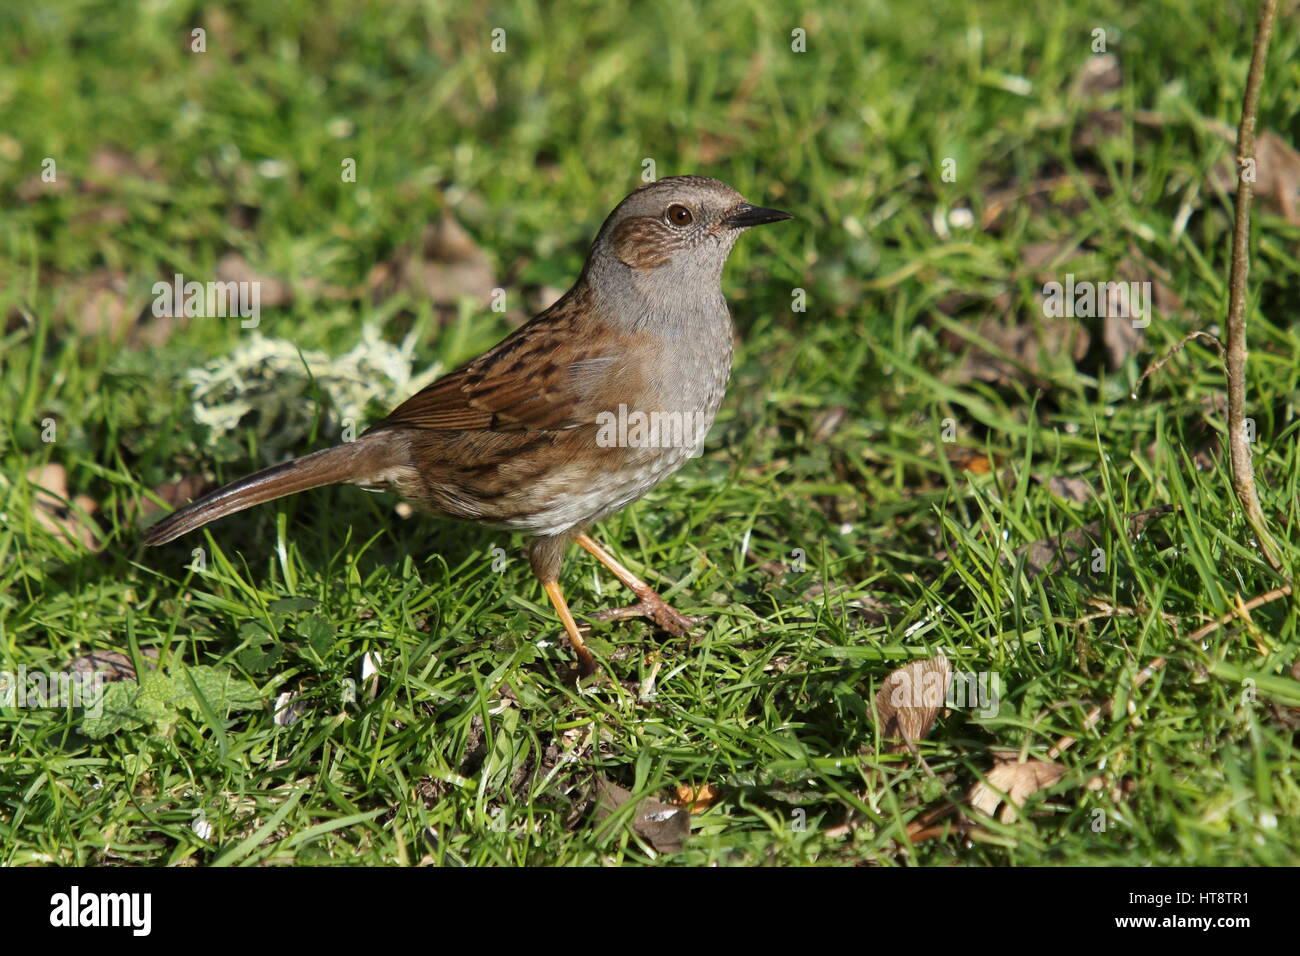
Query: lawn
[914, 458]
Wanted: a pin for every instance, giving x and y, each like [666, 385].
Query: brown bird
[574, 415]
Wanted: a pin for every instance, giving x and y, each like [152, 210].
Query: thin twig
[1258, 601]
[1243, 474]
[1159, 363]
[1144, 675]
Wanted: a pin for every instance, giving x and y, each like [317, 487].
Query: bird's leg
[586, 662]
[546, 555]
[648, 604]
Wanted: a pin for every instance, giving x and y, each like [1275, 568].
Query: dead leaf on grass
[113, 665]
[1277, 173]
[446, 266]
[911, 699]
[272, 292]
[968, 459]
[1099, 74]
[1071, 489]
[69, 520]
[664, 826]
[1062, 550]
[1028, 351]
[696, 799]
[174, 494]
[1010, 783]
[1062, 192]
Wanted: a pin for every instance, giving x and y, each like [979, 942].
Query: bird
[574, 415]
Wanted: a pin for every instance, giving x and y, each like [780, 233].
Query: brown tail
[350, 462]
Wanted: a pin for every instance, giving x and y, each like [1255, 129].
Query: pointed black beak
[745, 215]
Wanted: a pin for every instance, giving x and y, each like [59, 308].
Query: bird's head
[674, 233]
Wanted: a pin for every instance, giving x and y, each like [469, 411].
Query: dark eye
[679, 215]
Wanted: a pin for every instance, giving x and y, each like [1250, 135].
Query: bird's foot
[651, 605]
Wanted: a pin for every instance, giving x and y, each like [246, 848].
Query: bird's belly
[585, 492]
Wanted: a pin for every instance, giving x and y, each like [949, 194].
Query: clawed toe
[666, 618]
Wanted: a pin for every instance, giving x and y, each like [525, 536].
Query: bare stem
[1243, 474]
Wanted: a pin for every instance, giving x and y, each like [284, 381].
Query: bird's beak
[745, 215]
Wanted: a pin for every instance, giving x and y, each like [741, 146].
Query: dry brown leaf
[272, 292]
[1277, 172]
[968, 459]
[1064, 549]
[109, 166]
[114, 665]
[910, 700]
[446, 267]
[663, 825]
[1071, 489]
[181, 491]
[1121, 339]
[828, 423]
[1063, 193]
[97, 304]
[696, 799]
[1119, 334]
[711, 148]
[1032, 348]
[1045, 252]
[1278, 168]
[107, 169]
[1100, 73]
[68, 520]
[958, 301]
[1012, 782]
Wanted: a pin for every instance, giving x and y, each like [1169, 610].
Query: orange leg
[649, 604]
[586, 662]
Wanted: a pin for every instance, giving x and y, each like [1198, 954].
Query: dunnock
[573, 416]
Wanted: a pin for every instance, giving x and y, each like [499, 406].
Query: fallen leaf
[272, 292]
[1030, 350]
[1277, 171]
[828, 423]
[1121, 339]
[97, 304]
[446, 267]
[109, 166]
[1062, 550]
[968, 459]
[1011, 782]
[1120, 335]
[663, 825]
[114, 665]
[1063, 193]
[869, 608]
[696, 799]
[1100, 73]
[69, 521]
[174, 494]
[910, 700]
[1045, 252]
[1071, 489]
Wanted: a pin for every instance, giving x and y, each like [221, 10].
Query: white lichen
[280, 391]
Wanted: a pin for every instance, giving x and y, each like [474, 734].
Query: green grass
[473, 746]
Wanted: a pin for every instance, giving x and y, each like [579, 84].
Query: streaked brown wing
[547, 375]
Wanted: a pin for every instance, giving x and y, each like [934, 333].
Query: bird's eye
[679, 215]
